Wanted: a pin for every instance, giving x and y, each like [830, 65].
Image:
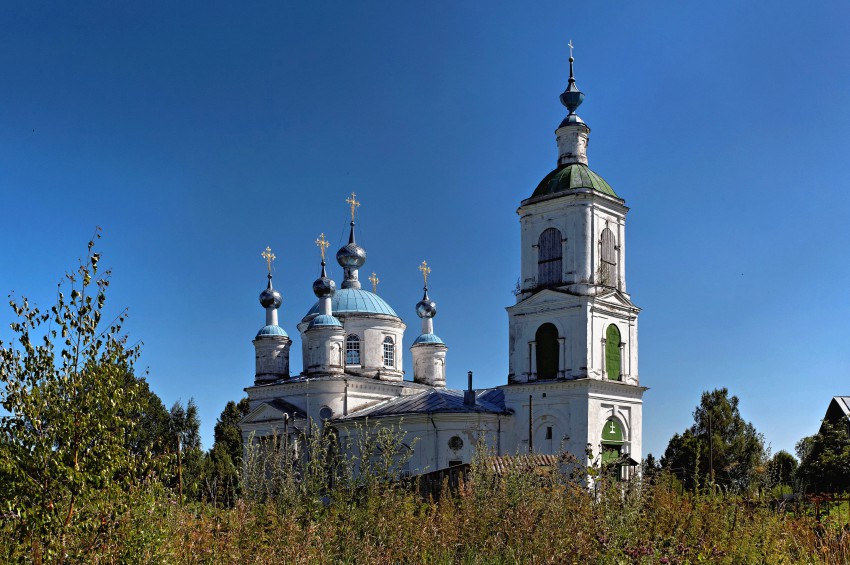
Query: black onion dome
[426, 308]
[351, 254]
[270, 298]
[323, 287]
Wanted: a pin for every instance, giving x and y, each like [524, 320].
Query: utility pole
[179, 468]
[710, 452]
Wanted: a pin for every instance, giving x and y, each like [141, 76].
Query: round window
[455, 443]
[326, 413]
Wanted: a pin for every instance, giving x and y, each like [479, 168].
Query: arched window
[352, 350]
[546, 340]
[608, 266]
[389, 352]
[549, 258]
[612, 353]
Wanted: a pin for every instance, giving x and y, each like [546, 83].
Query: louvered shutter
[549, 267]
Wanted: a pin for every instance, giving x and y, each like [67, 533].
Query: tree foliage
[826, 465]
[719, 442]
[67, 429]
[223, 463]
[184, 441]
[150, 439]
[781, 468]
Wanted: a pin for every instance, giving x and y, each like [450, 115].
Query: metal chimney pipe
[469, 393]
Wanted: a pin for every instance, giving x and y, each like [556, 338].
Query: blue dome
[324, 320]
[355, 301]
[428, 338]
[271, 330]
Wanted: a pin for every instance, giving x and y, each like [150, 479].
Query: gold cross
[268, 256]
[323, 244]
[374, 280]
[571, 47]
[353, 203]
[426, 270]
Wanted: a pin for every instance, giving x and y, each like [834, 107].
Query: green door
[612, 444]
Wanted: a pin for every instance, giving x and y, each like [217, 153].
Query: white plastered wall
[372, 330]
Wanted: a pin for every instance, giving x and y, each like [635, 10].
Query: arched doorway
[613, 440]
[546, 339]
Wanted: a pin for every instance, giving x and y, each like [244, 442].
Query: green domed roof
[571, 177]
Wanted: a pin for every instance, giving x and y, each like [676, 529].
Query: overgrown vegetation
[306, 508]
[94, 469]
[720, 448]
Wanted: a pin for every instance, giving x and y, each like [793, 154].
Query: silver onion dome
[323, 287]
[426, 308]
[270, 298]
[351, 255]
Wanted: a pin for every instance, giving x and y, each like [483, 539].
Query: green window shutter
[612, 353]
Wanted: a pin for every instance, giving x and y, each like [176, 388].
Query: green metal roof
[571, 177]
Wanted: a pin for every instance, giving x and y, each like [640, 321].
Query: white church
[572, 382]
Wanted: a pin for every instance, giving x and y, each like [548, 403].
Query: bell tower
[573, 318]
[573, 377]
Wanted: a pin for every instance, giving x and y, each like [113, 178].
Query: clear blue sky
[197, 134]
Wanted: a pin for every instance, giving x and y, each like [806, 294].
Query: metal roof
[837, 412]
[295, 379]
[844, 403]
[571, 177]
[488, 401]
[271, 330]
[504, 463]
[355, 301]
[286, 407]
[324, 320]
[427, 338]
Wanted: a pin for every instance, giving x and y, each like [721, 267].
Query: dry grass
[516, 517]
[515, 520]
